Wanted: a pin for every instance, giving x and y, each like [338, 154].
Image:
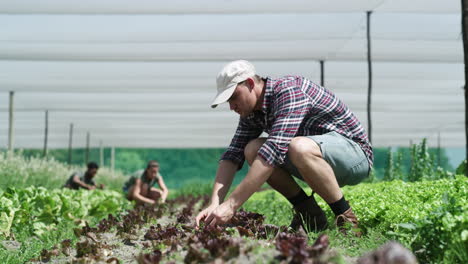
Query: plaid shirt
[294, 106]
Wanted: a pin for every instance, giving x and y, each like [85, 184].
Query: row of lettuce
[429, 217]
[36, 210]
[36, 213]
[35, 218]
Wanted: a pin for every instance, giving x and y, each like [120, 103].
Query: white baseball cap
[228, 78]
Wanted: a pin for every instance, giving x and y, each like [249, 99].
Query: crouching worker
[140, 186]
[312, 135]
[84, 180]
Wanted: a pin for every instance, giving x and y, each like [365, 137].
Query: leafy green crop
[430, 217]
[40, 210]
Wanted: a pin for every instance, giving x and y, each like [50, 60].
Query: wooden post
[10, 124]
[70, 140]
[322, 73]
[464, 5]
[87, 147]
[46, 132]
[101, 154]
[369, 90]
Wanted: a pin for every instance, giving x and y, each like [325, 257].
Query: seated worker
[140, 186]
[84, 180]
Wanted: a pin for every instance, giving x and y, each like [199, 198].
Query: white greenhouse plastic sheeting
[144, 75]
[224, 6]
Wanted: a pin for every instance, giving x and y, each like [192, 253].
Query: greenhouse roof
[144, 75]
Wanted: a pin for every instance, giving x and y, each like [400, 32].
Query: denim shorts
[347, 159]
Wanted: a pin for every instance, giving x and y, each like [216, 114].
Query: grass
[21, 172]
[194, 188]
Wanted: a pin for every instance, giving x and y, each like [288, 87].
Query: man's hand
[164, 196]
[158, 195]
[205, 213]
[221, 215]
[224, 176]
[91, 187]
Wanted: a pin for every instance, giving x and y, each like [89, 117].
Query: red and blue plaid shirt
[294, 106]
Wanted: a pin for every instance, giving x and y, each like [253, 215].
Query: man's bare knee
[154, 195]
[303, 148]
[130, 193]
[252, 148]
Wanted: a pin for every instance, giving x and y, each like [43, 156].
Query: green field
[428, 215]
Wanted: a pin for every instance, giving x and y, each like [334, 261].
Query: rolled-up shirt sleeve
[291, 106]
[245, 132]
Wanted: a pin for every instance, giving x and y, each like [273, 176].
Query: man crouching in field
[312, 135]
[84, 180]
[140, 185]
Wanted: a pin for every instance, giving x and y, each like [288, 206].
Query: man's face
[152, 172]
[92, 172]
[243, 100]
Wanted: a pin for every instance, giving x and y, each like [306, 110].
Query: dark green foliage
[402, 162]
[394, 169]
[193, 188]
[461, 169]
[398, 167]
[178, 166]
[372, 177]
[78, 155]
[380, 162]
[183, 166]
[389, 169]
[419, 164]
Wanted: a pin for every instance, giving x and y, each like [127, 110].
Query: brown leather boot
[346, 220]
[310, 216]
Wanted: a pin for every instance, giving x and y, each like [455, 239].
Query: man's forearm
[164, 195]
[258, 174]
[82, 184]
[224, 176]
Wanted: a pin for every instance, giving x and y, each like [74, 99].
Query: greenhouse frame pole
[88, 136]
[11, 123]
[46, 132]
[70, 140]
[322, 73]
[369, 90]
[464, 5]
